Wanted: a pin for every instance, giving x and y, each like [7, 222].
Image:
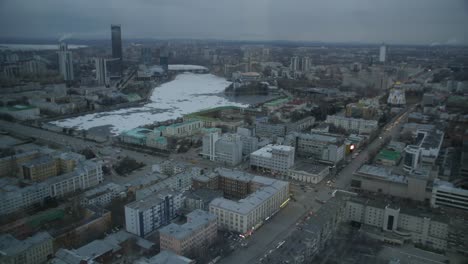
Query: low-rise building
[400, 223]
[197, 234]
[323, 147]
[278, 158]
[186, 128]
[263, 128]
[33, 250]
[415, 185]
[388, 157]
[103, 195]
[308, 172]
[107, 250]
[166, 257]
[356, 125]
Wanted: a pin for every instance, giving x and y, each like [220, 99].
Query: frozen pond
[187, 93]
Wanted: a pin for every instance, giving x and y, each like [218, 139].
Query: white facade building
[358, 125]
[273, 157]
[247, 214]
[102, 77]
[228, 149]
[383, 53]
[209, 145]
[325, 147]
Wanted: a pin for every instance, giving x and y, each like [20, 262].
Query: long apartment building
[85, 175]
[263, 128]
[357, 125]
[198, 233]
[278, 158]
[247, 214]
[38, 165]
[399, 222]
[148, 214]
[321, 146]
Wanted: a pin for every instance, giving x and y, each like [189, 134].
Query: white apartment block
[273, 157]
[102, 195]
[228, 149]
[146, 215]
[247, 214]
[209, 145]
[357, 125]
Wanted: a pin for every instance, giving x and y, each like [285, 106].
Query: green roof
[277, 101]
[17, 108]
[389, 155]
[137, 132]
[44, 217]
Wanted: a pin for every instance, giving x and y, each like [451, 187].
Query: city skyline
[356, 21]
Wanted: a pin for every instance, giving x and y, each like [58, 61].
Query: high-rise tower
[116, 49]
[65, 62]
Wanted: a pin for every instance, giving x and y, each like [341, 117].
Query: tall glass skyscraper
[116, 50]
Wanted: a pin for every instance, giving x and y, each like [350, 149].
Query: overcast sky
[390, 21]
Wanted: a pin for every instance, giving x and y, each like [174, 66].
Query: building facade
[147, 215]
[246, 215]
[361, 126]
[325, 147]
[277, 158]
[196, 235]
[65, 62]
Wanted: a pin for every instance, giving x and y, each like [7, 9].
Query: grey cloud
[395, 21]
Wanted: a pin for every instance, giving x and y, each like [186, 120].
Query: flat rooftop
[380, 173]
[266, 151]
[196, 220]
[313, 168]
[255, 199]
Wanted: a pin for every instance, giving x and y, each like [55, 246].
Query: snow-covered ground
[188, 93]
